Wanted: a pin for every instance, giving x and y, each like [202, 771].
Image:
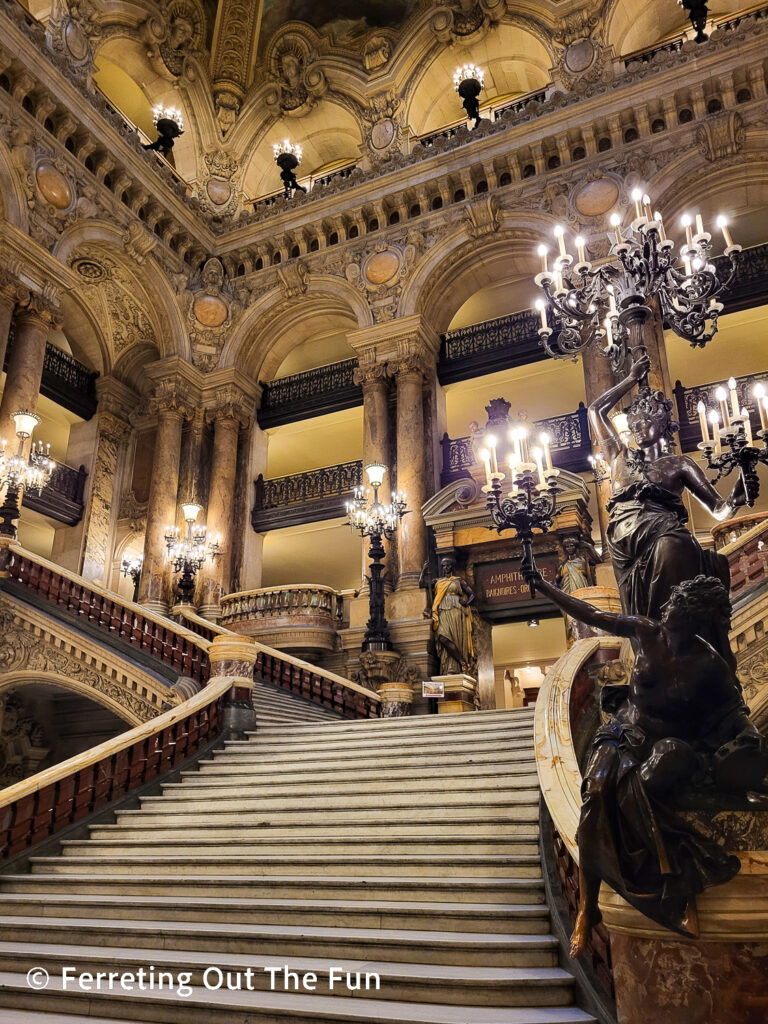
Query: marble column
[372, 376]
[411, 477]
[97, 557]
[598, 378]
[25, 365]
[161, 508]
[656, 346]
[221, 509]
[9, 296]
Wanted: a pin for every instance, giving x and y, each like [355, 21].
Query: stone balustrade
[302, 617]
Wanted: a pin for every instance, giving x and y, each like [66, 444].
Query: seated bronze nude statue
[679, 730]
[650, 547]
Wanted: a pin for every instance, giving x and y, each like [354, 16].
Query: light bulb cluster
[187, 554]
[32, 472]
[466, 73]
[289, 148]
[586, 303]
[727, 441]
[523, 460]
[160, 113]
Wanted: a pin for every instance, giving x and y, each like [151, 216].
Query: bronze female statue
[452, 620]
[680, 728]
[650, 547]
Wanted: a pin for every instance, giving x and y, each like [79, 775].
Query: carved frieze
[116, 295]
[721, 135]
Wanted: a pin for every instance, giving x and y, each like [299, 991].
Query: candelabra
[288, 158]
[531, 504]
[468, 82]
[608, 305]
[18, 473]
[132, 567]
[731, 445]
[170, 125]
[187, 555]
[371, 518]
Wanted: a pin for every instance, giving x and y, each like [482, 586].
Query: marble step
[410, 758]
[215, 788]
[294, 773]
[525, 809]
[522, 918]
[426, 725]
[336, 827]
[224, 1007]
[386, 888]
[343, 866]
[473, 949]
[460, 985]
[265, 846]
[298, 743]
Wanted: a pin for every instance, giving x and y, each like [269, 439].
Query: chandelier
[188, 554]
[468, 81]
[531, 502]
[288, 157]
[170, 125]
[727, 442]
[132, 567]
[607, 304]
[371, 518]
[19, 472]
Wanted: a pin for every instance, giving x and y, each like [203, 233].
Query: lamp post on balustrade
[371, 518]
[188, 554]
[19, 473]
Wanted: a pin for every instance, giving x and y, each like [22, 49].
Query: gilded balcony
[297, 617]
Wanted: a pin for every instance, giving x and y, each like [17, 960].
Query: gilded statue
[650, 547]
[576, 571]
[451, 616]
[679, 731]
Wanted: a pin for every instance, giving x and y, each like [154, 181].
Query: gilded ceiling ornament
[383, 130]
[69, 32]
[466, 21]
[296, 83]
[219, 192]
[376, 52]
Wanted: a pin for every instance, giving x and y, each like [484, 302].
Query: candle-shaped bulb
[735, 404]
[747, 425]
[491, 441]
[608, 330]
[660, 222]
[686, 222]
[542, 308]
[545, 442]
[560, 236]
[699, 224]
[637, 198]
[722, 223]
[543, 253]
[580, 244]
[702, 411]
[722, 398]
[538, 455]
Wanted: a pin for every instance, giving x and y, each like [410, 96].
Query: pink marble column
[25, 365]
[113, 432]
[221, 510]
[9, 295]
[161, 508]
[411, 469]
[373, 379]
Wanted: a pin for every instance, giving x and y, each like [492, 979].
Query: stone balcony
[301, 617]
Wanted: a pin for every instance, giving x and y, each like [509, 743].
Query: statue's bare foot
[580, 934]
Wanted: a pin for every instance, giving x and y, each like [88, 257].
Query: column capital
[115, 397]
[41, 311]
[231, 403]
[395, 342]
[369, 374]
[171, 399]
[12, 290]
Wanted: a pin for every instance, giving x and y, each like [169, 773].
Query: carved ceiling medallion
[596, 198]
[382, 267]
[53, 186]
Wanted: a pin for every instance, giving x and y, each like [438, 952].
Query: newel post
[235, 657]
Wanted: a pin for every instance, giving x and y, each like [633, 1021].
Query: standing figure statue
[650, 547]
[680, 728]
[451, 619]
[576, 571]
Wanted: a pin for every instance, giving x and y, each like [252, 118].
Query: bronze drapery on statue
[679, 733]
[649, 545]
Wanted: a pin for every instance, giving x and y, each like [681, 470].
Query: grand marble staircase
[403, 848]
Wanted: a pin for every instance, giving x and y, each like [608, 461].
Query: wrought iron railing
[65, 380]
[492, 345]
[570, 440]
[304, 497]
[62, 498]
[310, 393]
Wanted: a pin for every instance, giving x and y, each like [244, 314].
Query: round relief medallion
[89, 269]
[382, 133]
[53, 185]
[77, 44]
[210, 310]
[580, 55]
[597, 197]
[218, 191]
[382, 267]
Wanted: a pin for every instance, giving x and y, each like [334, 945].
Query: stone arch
[274, 325]
[629, 27]
[13, 204]
[17, 680]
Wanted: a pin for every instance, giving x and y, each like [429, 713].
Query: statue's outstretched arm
[619, 625]
[700, 487]
[603, 430]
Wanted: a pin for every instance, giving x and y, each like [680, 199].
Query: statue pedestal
[460, 694]
[718, 978]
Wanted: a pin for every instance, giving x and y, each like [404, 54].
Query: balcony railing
[490, 346]
[570, 441]
[62, 498]
[314, 392]
[675, 45]
[304, 497]
[65, 380]
[744, 542]
[303, 616]
[492, 113]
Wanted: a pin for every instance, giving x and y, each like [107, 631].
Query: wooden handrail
[38, 807]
